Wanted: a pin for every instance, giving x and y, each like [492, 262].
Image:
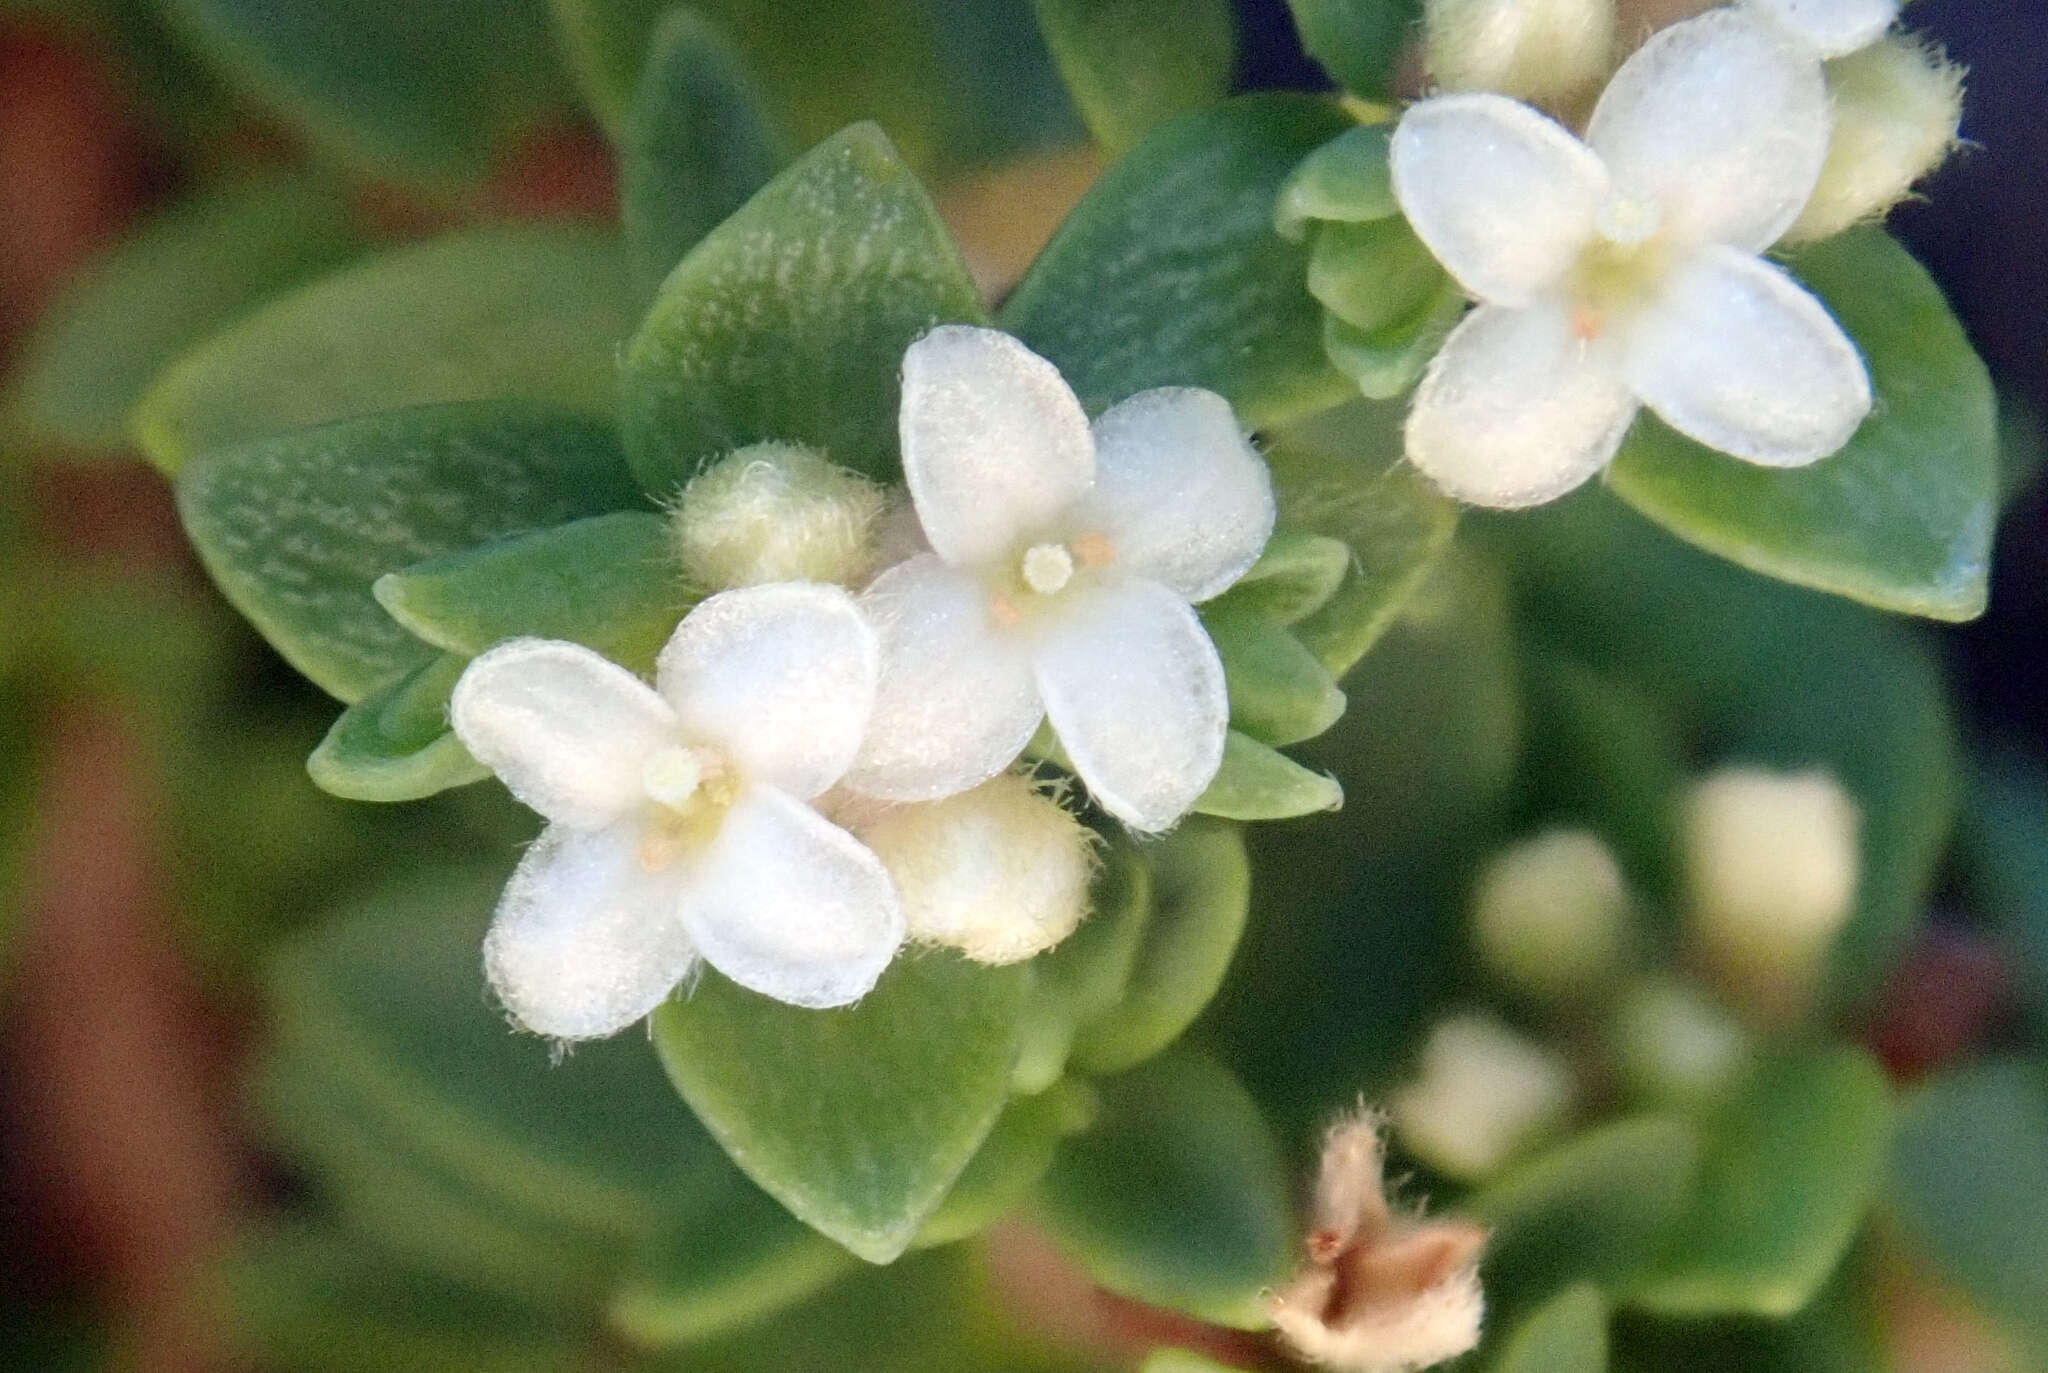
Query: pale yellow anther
[1627, 220]
[1048, 567]
[672, 776]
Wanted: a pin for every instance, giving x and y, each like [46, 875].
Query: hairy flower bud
[1897, 105]
[1484, 1093]
[1542, 51]
[1550, 916]
[776, 512]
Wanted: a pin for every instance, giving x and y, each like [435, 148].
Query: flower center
[1046, 569]
[690, 789]
[1627, 220]
[1619, 270]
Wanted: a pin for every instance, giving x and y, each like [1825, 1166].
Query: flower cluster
[1621, 267]
[815, 775]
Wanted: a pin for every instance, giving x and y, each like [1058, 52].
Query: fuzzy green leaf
[1256, 782]
[527, 313]
[1970, 1187]
[1134, 64]
[1279, 692]
[697, 145]
[1359, 42]
[425, 90]
[1168, 273]
[1567, 1334]
[1086, 974]
[1177, 1195]
[1295, 577]
[607, 582]
[858, 1120]
[1346, 179]
[1373, 276]
[1385, 362]
[295, 528]
[1792, 1165]
[1902, 517]
[395, 744]
[789, 320]
[1008, 1165]
[1201, 892]
[171, 281]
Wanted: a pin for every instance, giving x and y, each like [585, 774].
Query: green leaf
[1134, 64]
[1279, 692]
[1260, 783]
[1008, 1165]
[1598, 1209]
[1969, 1186]
[1346, 179]
[1295, 577]
[789, 320]
[171, 281]
[1085, 975]
[608, 582]
[530, 313]
[425, 90]
[1567, 1334]
[697, 145]
[2004, 838]
[1168, 273]
[1201, 890]
[1359, 42]
[295, 528]
[1375, 275]
[1902, 517]
[1792, 1164]
[736, 1257]
[1385, 362]
[1771, 675]
[395, 744]
[1177, 1196]
[858, 1120]
[1340, 476]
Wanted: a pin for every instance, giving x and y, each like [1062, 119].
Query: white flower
[1060, 584]
[1483, 1094]
[1829, 28]
[679, 816]
[1623, 271]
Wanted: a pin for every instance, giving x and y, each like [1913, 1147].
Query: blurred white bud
[1483, 1094]
[776, 512]
[1898, 104]
[1542, 51]
[1383, 1291]
[1674, 1045]
[1550, 914]
[1772, 865]
[999, 872]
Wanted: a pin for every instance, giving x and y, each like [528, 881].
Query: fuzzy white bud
[1550, 915]
[1483, 1095]
[1000, 872]
[1542, 51]
[1772, 867]
[1898, 104]
[776, 512]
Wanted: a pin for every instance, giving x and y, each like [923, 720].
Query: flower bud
[1772, 866]
[1673, 1045]
[1484, 1094]
[775, 512]
[1550, 915]
[999, 872]
[1542, 51]
[1898, 104]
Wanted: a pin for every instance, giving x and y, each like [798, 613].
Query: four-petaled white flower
[1064, 567]
[680, 823]
[1831, 28]
[1624, 271]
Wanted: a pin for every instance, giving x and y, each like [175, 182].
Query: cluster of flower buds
[823, 765]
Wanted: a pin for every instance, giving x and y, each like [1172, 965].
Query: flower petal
[781, 677]
[566, 730]
[1179, 491]
[1135, 692]
[1515, 410]
[994, 443]
[586, 941]
[1738, 355]
[1832, 28]
[1721, 123]
[789, 904]
[1503, 196]
[956, 702]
